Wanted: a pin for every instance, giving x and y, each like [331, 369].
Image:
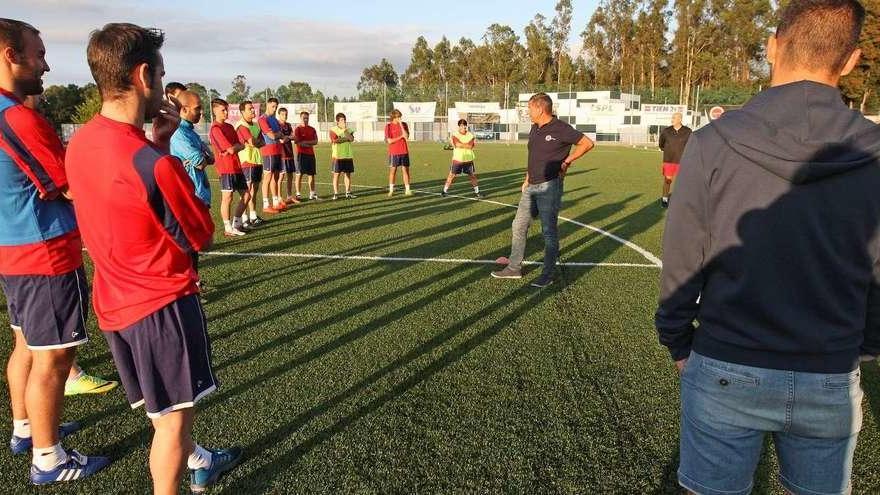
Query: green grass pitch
[365, 376]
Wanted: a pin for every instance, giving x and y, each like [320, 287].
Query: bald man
[195, 155]
[673, 139]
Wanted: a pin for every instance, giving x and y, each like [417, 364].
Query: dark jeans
[539, 200]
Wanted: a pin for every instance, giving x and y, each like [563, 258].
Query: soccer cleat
[335, 197]
[222, 461]
[20, 445]
[444, 193]
[664, 202]
[543, 281]
[233, 232]
[349, 196]
[280, 207]
[315, 197]
[270, 210]
[408, 193]
[257, 222]
[77, 467]
[88, 384]
[478, 195]
[507, 272]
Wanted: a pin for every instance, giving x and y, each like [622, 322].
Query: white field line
[655, 261]
[410, 259]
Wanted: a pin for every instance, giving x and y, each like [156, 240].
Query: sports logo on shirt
[549, 138]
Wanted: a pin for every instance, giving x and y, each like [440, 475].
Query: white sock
[200, 458]
[227, 225]
[477, 189]
[665, 198]
[265, 202]
[253, 216]
[390, 187]
[76, 377]
[277, 199]
[406, 187]
[21, 428]
[49, 458]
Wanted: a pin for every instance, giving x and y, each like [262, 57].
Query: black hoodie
[771, 240]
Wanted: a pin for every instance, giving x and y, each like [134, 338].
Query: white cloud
[212, 51]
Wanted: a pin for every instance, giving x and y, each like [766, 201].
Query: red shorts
[670, 169]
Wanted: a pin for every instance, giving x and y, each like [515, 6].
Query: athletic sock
[406, 188]
[201, 458]
[21, 428]
[49, 458]
[390, 187]
[253, 216]
[665, 198]
[265, 203]
[445, 188]
[227, 225]
[75, 378]
[477, 189]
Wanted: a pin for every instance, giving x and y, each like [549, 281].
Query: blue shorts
[289, 167]
[252, 175]
[305, 164]
[164, 360]
[462, 168]
[232, 182]
[727, 409]
[343, 166]
[50, 310]
[398, 160]
[273, 163]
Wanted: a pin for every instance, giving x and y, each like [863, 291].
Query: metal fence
[438, 131]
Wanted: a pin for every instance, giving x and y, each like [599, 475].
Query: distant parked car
[484, 134]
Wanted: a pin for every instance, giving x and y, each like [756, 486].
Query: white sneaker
[233, 232]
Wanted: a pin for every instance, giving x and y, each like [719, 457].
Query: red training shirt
[392, 131]
[223, 137]
[140, 220]
[305, 133]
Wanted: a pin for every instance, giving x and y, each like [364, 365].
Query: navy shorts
[398, 160]
[252, 175]
[305, 164]
[164, 360]
[272, 163]
[343, 166]
[50, 310]
[232, 182]
[288, 165]
[462, 168]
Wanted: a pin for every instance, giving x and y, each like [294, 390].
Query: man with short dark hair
[271, 155]
[550, 156]
[173, 89]
[41, 265]
[141, 221]
[249, 136]
[287, 157]
[306, 138]
[772, 245]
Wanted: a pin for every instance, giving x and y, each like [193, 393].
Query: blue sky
[275, 42]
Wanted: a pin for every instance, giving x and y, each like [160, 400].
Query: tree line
[694, 52]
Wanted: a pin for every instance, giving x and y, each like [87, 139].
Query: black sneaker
[664, 202]
[444, 193]
[542, 281]
[257, 221]
[478, 195]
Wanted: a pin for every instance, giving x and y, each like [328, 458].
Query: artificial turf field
[374, 376]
